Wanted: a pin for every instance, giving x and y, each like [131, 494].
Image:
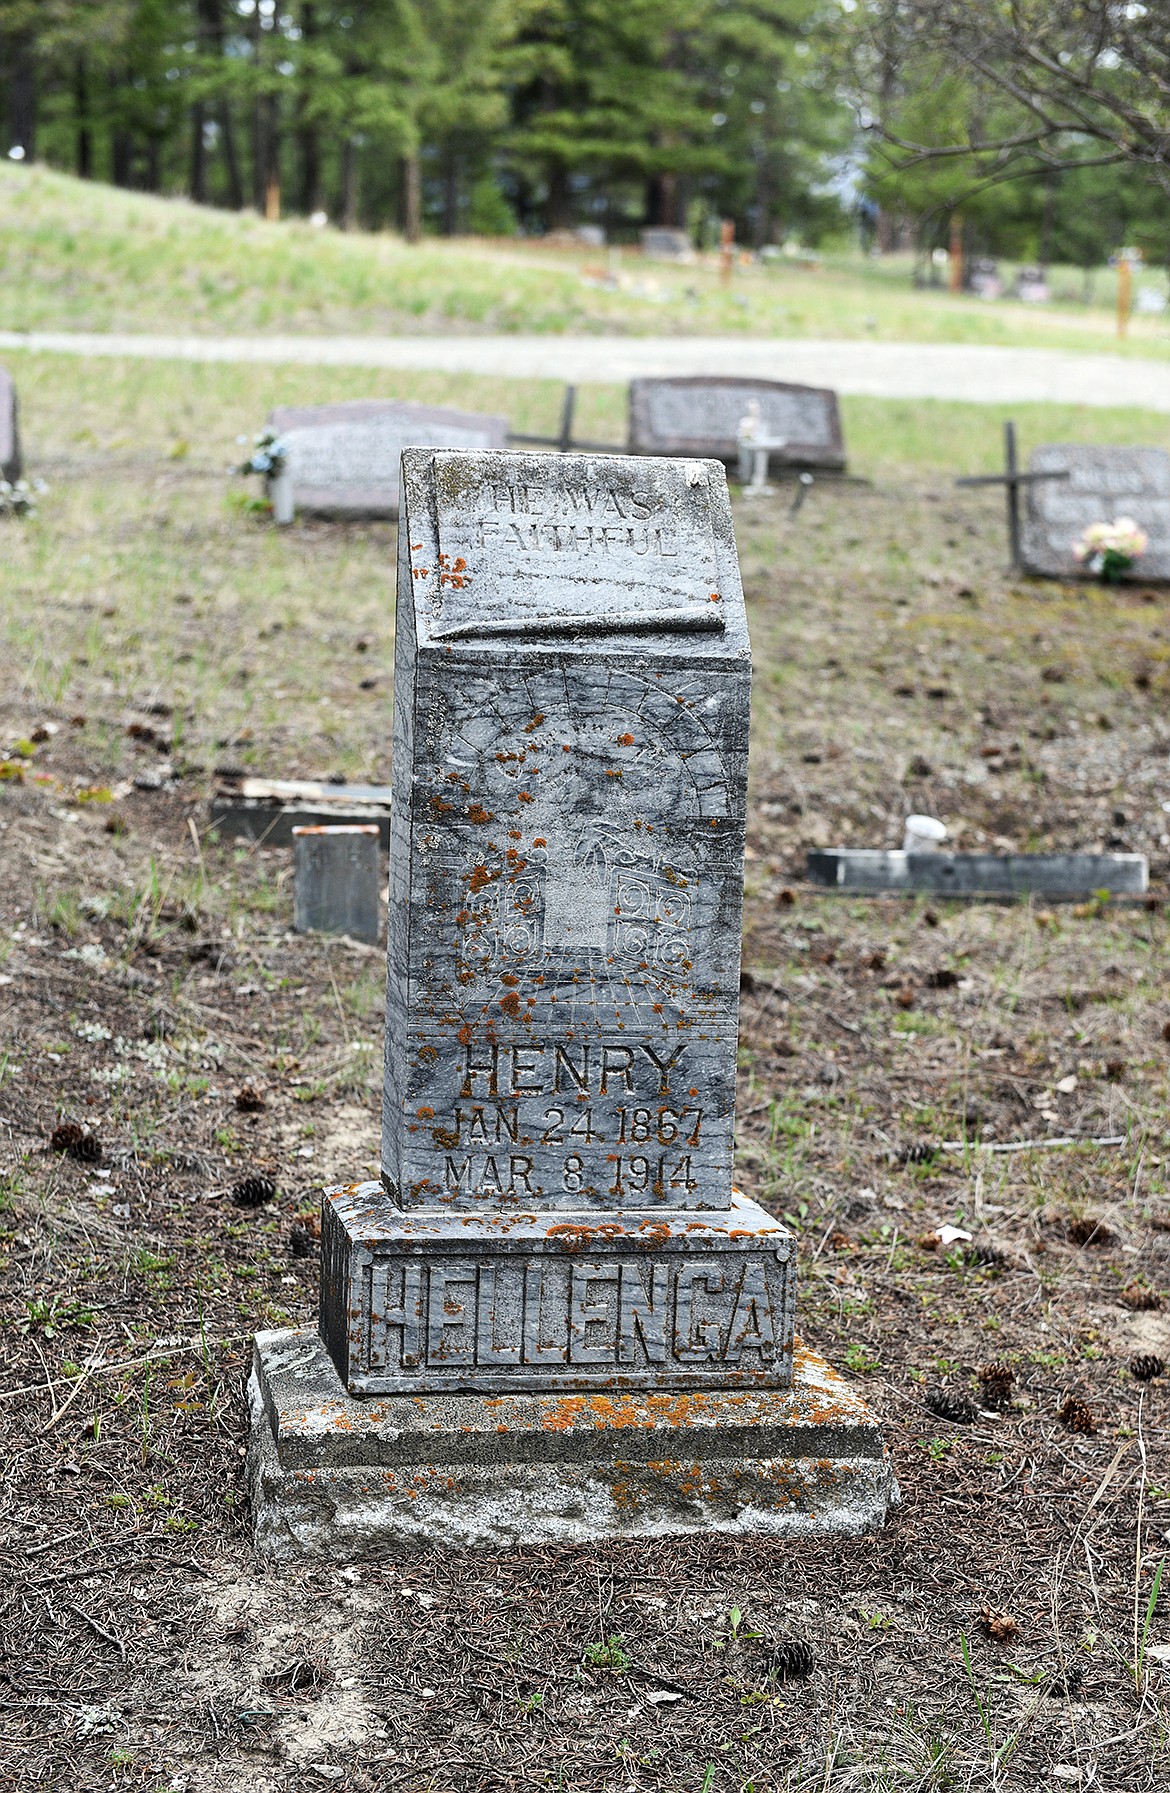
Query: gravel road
[978, 373]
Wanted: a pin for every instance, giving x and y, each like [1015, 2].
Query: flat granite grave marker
[343, 458]
[10, 459]
[555, 1318]
[701, 414]
[1058, 876]
[336, 881]
[1099, 486]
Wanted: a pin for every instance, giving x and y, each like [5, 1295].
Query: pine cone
[985, 1257]
[793, 1659]
[995, 1385]
[1146, 1365]
[1139, 1300]
[1077, 1416]
[923, 1153]
[249, 1100]
[959, 1408]
[999, 1626]
[253, 1192]
[66, 1137]
[301, 1242]
[1089, 1229]
[1062, 1687]
[88, 1149]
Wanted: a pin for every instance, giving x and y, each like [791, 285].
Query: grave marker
[701, 414]
[267, 810]
[1058, 876]
[556, 1214]
[336, 880]
[661, 244]
[343, 458]
[11, 466]
[1075, 485]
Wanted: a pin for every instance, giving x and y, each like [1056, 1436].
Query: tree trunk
[450, 192]
[558, 207]
[121, 159]
[349, 185]
[310, 151]
[231, 156]
[272, 158]
[257, 120]
[1048, 221]
[153, 182]
[198, 180]
[308, 132]
[762, 223]
[84, 129]
[411, 197]
[22, 99]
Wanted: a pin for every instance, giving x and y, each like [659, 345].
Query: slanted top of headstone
[343, 459]
[10, 461]
[667, 245]
[701, 414]
[547, 545]
[1102, 485]
[570, 756]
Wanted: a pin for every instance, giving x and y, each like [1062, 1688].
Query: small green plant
[612, 1655]
[860, 1360]
[49, 1315]
[1143, 1640]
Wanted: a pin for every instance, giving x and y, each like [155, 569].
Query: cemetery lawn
[999, 1631]
[78, 255]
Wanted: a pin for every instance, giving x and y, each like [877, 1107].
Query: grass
[78, 255]
[152, 571]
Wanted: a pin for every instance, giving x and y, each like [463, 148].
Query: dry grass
[79, 255]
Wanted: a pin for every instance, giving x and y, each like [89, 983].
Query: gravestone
[556, 1243]
[1101, 484]
[10, 460]
[701, 414]
[335, 880]
[343, 458]
[660, 244]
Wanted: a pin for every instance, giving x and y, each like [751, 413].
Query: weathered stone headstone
[556, 1242]
[660, 244]
[336, 883]
[10, 460]
[1102, 484]
[701, 415]
[343, 458]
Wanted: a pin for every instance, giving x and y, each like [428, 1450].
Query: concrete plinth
[335, 1477]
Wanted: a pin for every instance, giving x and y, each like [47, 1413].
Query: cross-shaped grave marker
[563, 440]
[1012, 480]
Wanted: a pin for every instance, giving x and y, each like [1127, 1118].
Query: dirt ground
[999, 1632]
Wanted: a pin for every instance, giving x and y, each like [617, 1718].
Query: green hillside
[82, 256]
